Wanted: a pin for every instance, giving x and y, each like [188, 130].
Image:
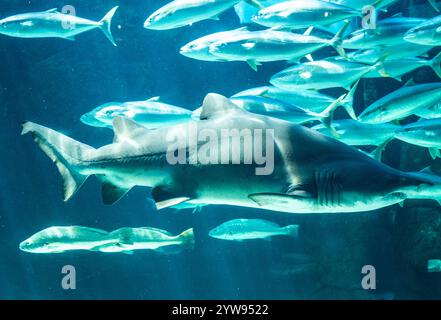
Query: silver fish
[303, 14]
[424, 133]
[53, 24]
[251, 229]
[427, 33]
[151, 113]
[255, 47]
[62, 239]
[402, 103]
[388, 32]
[323, 74]
[147, 238]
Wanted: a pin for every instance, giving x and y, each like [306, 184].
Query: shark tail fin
[292, 231]
[66, 153]
[106, 23]
[348, 101]
[187, 238]
[327, 116]
[336, 42]
[436, 64]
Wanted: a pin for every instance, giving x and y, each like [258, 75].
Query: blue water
[54, 81]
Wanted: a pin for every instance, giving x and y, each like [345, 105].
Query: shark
[311, 173]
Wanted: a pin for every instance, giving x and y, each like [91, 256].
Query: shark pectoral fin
[165, 198]
[70, 38]
[434, 153]
[112, 193]
[268, 199]
[127, 252]
[439, 201]
[215, 18]
[253, 64]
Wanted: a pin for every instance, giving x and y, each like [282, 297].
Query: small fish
[62, 239]
[53, 24]
[130, 239]
[255, 47]
[355, 133]
[427, 33]
[434, 265]
[398, 68]
[303, 14]
[323, 74]
[388, 32]
[246, 11]
[180, 13]
[395, 52]
[281, 110]
[402, 103]
[360, 4]
[306, 99]
[199, 49]
[151, 113]
[425, 133]
[245, 229]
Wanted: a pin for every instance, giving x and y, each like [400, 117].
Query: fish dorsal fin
[154, 99]
[409, 83]
[158, 230]
[126, 130]
[52, 10]
[428, 170]
[216, 105]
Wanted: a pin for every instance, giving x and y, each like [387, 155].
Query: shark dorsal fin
[216, 105]
[126, 130]
[154, 99]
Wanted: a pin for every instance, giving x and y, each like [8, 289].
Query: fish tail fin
[377, 154]
[255, 3]
[379, 66]
[106, 23]
[348, 101]
[292, 231]
[336, 42]
[66, 153]
[436, 64]
[187, 238]
[327, 116]
[434, 5]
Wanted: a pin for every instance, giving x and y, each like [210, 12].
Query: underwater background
[54, 81]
